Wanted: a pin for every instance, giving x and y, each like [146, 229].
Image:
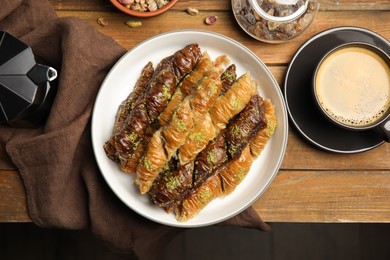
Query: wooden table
[312, 185]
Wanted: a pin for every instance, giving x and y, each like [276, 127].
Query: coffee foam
[363, 120]
[353, 86]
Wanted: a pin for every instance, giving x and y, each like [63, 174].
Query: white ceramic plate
[119, 83]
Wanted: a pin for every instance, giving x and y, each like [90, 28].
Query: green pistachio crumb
[166, 93]
[241, 174]
[232, 150]
[227, 75]
[198, 136]
[133, 138]
[147, 163]
[173, 182]
[204, 196]
[236, 130]
[236, 104]
[212, 156]
[165, 167]
[212, 89]
[181, 125]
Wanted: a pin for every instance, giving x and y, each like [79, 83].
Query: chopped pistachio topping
[173, 183]
[128, 106]
[205, 196]
[236, 130]
[269, 131]
[198, 136]
[212, 89]
[181, 125]
[147, 163]
[168, 176]
[133, 138]
[228, 75]
[236, 104]
[241, 174]
[166, 93]
[232, 149]
[166, 167]
[152, 84]
[212, 156]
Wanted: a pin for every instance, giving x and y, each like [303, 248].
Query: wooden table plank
[302, 155]
[13, 206]
[327, 196]
[293, 196]
[312, 185]
[212, 5]
[271, 54]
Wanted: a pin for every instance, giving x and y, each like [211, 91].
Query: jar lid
[280, 10]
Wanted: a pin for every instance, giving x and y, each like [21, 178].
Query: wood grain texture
[13, 206]
[271, 54]
[312, 185]
[327, 196]
[214, 5]
[301, 155]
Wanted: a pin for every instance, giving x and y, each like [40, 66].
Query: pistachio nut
[102, 22]
[133, 24]
[192, 11]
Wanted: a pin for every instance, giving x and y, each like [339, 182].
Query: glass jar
[274, 21]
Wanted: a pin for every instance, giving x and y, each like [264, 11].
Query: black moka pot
[25, 91]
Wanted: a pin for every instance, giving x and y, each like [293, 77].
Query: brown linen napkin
[64, 186]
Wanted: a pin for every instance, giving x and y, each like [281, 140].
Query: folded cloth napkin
[63, 184]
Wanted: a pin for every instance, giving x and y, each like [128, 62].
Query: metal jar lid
[280, 10]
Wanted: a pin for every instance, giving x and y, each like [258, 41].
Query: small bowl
[143, 14]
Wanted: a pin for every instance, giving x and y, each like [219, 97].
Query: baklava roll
[174, 134]
[186, 87]
[225, 178]
[210, 190]
[127, 106]
[244, 127]
[234, 172]
[233, 101]
[169, 72]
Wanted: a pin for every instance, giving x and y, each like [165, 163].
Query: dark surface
[286, 241]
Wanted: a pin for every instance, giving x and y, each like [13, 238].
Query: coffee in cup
[351, 86]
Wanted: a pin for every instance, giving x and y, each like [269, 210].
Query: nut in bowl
[143, 8]
[274, 21]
